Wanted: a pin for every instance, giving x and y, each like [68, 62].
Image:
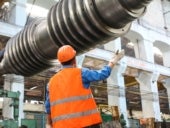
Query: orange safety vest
[72, 105]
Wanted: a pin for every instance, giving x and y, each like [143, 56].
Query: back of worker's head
[66, 54]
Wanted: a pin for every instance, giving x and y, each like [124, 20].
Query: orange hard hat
[66, 53]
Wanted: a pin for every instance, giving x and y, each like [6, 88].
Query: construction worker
[69, 101]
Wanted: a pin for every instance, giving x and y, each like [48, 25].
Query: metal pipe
[84, 24]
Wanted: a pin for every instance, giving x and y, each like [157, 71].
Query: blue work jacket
[88, 76]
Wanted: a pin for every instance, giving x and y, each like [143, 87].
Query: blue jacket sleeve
[94, 75]
[47, 102]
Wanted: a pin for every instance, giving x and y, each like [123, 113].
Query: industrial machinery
[84, 24]
[13, 123]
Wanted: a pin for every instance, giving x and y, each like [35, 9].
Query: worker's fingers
[118, 56]
[117, 51]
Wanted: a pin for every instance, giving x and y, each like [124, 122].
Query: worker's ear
[74, 62]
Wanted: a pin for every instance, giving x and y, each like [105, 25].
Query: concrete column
[149, 95]
[116, 89]
[167, 86]
[144, 50]
[148, 81]
[115, 83]
[166, 61]
[18, 13]
[13, 83]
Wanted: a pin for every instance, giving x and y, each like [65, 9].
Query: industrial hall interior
[137, 92]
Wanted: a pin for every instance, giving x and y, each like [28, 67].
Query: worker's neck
[69, 66]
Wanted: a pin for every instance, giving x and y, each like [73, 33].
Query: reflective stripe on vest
[74, 115]
[70, 99]
[70, 103]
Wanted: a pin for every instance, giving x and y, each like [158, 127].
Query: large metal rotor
[83, 24]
